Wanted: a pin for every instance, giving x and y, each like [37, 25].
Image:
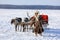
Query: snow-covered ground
[7, 32]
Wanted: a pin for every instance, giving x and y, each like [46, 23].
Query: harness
[19, 19]
[36, 17]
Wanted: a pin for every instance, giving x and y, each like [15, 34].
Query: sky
[31, 2]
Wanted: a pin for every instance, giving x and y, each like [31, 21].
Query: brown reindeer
[38, 29]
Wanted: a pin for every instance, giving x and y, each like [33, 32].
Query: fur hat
[37, 12]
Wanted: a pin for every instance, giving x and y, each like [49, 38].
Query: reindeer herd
[37, 29]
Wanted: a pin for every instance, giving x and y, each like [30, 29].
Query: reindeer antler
[28, 14]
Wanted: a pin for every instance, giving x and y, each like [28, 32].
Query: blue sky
[31, 2]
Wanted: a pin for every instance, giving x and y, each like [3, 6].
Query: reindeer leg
[18, 27]
[23, 28]
[27, 28]
[15, 27]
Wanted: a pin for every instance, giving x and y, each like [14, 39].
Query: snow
[7, 32]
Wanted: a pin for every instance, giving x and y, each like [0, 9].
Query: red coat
[44, 18]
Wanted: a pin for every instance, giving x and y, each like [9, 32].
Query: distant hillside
[5, 6]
